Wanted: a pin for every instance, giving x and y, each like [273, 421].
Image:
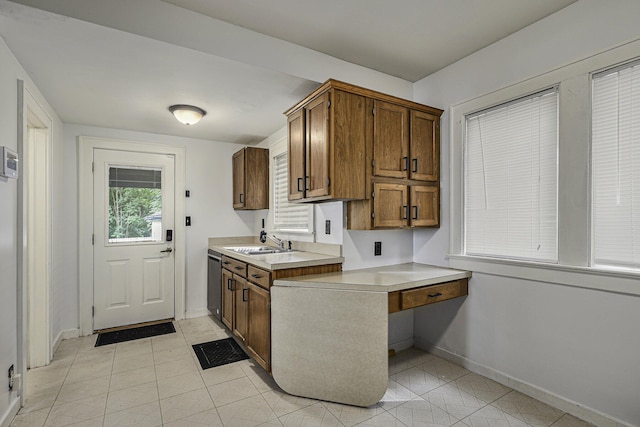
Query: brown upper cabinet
[327, 141]
[251, 178]
[345, 140]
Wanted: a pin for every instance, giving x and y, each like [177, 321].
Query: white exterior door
[133, 223]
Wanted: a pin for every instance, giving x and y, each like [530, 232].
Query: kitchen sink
[256, 250]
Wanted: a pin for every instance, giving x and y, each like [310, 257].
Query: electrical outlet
[11, 374]
[327, 227]
[187, 221]
[377, 248]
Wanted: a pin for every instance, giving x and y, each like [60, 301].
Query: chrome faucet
[264, 236]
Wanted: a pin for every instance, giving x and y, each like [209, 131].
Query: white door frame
[86, 145]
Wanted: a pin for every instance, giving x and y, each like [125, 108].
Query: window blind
[615, 162]
[511, 179]
[286, 216]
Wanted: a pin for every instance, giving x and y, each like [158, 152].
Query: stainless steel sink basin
[256, 250]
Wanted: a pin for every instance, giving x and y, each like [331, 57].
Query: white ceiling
[121, 63]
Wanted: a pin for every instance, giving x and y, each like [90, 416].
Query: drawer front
[411, 298]
[235, 266]
[259, 276]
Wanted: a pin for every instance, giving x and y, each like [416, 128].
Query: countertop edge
[262, 261]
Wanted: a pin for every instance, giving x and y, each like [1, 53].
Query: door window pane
[135, 205]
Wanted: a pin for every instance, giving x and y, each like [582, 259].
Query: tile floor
[158, 382]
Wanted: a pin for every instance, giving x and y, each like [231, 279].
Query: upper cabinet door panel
[239, 196]
[296, 154]
[390, 140]
[425, 147]
[317, 149]
[425, 206]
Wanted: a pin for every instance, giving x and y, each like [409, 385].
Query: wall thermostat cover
[9, 167]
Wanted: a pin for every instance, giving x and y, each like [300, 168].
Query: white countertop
[389, 278]
[280, 261]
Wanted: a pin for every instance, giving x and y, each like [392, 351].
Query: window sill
[600, 279]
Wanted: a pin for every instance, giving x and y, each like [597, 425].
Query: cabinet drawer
[411, 298]
[259, 276]
[235, 266]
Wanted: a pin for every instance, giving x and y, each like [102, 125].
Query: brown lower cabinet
[246, 302]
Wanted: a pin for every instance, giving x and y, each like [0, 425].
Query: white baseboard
[65, 334]
[401, 345]
[584, 413]
[8, 416]
[197, 313]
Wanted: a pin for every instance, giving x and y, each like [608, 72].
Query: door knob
[168, 250]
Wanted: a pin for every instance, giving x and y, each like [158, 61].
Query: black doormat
[218, 353]
[135, 333]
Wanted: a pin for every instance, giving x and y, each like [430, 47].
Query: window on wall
[615, 162]
[287, 216]
[511, 179]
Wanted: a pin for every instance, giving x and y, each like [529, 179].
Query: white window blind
[615, 158]
[511, 179]
[286, 216]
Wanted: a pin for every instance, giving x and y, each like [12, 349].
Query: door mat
[131, 334]
[218, 353]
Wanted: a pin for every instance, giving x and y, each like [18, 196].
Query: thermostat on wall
[9, 167]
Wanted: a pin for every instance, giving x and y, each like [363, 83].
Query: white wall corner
[65, 334]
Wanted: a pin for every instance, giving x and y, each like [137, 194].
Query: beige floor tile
[63, 414]
[252, 411]
[167, 342]
[94, 422]
[201, 337]
[283, 403]
[208, 418]
[418, 380]
[490, 416]
[422, 413]
[132, 378]
[570, 421]
[172, 353]
[174, 386]
[222, 374]
[314, 415]
[175, 368]
[481, 387]
[384, 419]
[87, 371]
[397, 395]
[97, 355]
[147, 415]
[80, 390]
[35, 418]
[185, 405]
[125, 363]
[456, 402]
[443, 369]
[39, 401]
[352, 415]
[232, 391]
[134, 348]
[120, 400]
[528, 409]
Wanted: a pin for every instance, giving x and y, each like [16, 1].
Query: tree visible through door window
[135, 205]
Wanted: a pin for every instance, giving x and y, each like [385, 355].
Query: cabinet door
[238, 180]
[259, 334]
[390, 140]
[317, 148]
[296, 154]
[227, 298]
[390, 205]
[241, 305]
[424, 147]
[425, 206]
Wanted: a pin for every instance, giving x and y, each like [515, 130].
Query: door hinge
[93, 239]
[373, 194]
[373, 214]
[373, 111]
[328, 182]
[93, 311]
[329, 104]
[93, 167]
[373, 163]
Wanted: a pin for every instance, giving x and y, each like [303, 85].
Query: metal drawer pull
[226, 262]
[229, 284]
[435, 295]
[237, 267]
[244, 297]
[406, 163]
[256, 276]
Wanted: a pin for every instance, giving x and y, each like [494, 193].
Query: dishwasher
[214, 283]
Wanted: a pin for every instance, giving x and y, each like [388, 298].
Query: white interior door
[133, 222]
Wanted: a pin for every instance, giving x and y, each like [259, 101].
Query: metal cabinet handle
[405, 159]
[299, 185]
[406, 211]
[168, 250]
[244, 296]
[256, 276]
[415, 212]
[241, 198]
[229, 286]
[237, 267]
[415, 164]
[306, 183]
[435, 295]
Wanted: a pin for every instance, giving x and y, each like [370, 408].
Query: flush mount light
[187, 114]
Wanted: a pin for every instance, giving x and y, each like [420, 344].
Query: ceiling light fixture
[187, 114]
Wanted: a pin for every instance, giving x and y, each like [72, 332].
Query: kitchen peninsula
[329, 332]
